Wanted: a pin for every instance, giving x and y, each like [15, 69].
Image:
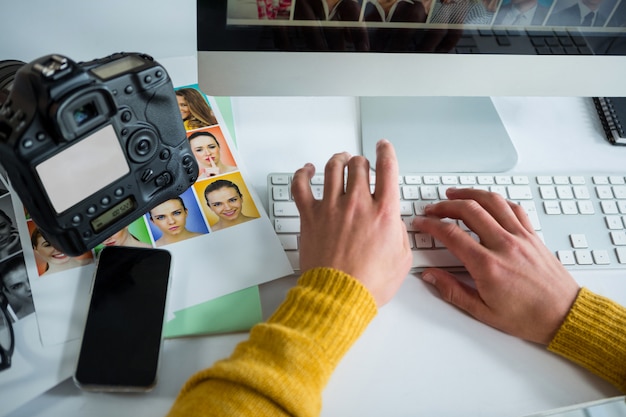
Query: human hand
[211, 171]
[355, 231]
[521, 287]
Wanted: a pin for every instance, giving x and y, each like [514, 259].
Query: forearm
[593, 335]
[285, 364]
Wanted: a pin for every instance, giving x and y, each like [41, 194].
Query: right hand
[520, 286]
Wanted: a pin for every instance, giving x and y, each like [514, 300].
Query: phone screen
[123, 331]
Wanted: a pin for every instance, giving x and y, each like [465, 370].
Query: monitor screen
[411, 47]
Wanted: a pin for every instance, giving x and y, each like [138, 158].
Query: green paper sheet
[234, 312]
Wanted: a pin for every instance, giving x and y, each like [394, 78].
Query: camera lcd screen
[113, 69]
[83, 169]
[114, 213]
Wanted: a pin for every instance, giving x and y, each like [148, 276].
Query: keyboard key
[566, 257]
[285, 209]
[604, 192]
[581, 192]
[520, 192]
[280, 193]
[429, 193]
[318, 191]
[564, 192]
[601, 257]
[423, 241]
[552, 207]
[618, 238]
[583, 257]
[614, 222]
[413, 179]
[621, 255]
[467, 179]
[578, 241]
[420, 206]
[280, 179]
[619, 192]
[585, 207]
[317, 179]
[609, 207]
[499, 189]
[449, 180]
[406, 208]
[408, 222]
[289, 242]
[288, 225]
[548, 192]
[569, 207]
[410, 192]
[431, 179]
[485, 180]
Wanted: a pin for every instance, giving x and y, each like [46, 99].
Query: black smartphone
[123, 332]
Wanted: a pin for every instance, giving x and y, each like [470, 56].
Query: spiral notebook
[612, 112]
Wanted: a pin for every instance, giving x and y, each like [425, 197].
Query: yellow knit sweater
[286, 362]
[593, 335]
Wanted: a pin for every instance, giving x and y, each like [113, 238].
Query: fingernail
[429, 278]
[381, 142]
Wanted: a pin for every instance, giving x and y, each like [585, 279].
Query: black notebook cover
[612, 112]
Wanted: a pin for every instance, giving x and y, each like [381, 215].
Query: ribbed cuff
[331, 307]
[593, 335]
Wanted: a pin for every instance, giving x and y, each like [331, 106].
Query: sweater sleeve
[593, 335]
[286, 362]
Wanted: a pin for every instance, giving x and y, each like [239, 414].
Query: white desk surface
[420, 356]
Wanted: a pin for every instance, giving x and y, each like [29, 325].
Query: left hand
[353, 230]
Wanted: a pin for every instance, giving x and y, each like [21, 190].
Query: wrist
[328, 306]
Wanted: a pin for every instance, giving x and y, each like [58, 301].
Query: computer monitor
[424, 71]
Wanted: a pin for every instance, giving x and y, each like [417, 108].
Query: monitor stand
[438, 134]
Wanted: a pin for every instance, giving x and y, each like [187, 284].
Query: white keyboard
[581, 218]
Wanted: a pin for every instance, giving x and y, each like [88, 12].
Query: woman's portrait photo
[228, 202]
[194, 109]
[176, 220]
[51, 260]
[211, 151]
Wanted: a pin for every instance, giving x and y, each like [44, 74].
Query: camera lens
[8, 69]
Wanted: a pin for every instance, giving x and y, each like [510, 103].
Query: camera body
[90, 147]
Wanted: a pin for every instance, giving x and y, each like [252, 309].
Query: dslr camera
[90, 147]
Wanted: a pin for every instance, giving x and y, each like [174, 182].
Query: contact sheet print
[220, 238]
